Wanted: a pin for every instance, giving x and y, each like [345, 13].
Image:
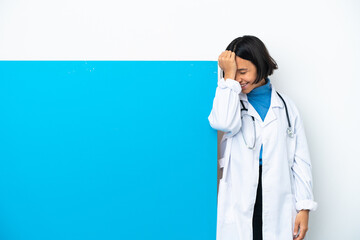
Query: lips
[244, 85]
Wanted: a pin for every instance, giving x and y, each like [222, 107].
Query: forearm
[225, 114]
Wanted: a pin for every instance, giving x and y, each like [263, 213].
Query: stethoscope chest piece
[290, 132]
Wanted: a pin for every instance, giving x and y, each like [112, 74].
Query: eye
[242, 71]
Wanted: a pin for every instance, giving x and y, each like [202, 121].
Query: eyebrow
[240, 69]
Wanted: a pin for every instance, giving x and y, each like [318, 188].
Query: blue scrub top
[260, 99]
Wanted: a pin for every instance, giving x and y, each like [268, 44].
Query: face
[246, 75]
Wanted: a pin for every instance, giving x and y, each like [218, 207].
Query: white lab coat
[286, 166]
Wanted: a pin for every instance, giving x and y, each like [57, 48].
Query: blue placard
[107, 150]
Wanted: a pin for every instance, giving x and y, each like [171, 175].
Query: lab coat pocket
[225, 211]
[291, 146]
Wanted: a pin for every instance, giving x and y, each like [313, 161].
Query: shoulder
[290, 104]
[294, 114]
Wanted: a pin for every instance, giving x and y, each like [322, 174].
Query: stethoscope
[289, 131]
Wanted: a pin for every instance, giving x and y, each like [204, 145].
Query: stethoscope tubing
[289, 131]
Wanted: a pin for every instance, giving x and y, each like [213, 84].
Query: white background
[315, 43]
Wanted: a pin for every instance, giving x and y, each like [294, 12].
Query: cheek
[244, 77]
[252, 79]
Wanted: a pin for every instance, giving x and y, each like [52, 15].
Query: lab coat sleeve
[225, 114]
[301, 169]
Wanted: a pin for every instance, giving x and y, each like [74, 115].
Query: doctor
[266, 188]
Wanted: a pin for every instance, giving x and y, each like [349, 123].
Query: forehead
[242, 63]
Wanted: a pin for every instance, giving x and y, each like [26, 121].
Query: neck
[262, 88]
[262, 82]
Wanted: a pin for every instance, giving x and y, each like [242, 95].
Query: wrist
[229, 76]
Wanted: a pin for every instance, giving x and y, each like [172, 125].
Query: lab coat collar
[275, 99]
[270, 116]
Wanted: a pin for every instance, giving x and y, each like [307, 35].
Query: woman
[266, 188]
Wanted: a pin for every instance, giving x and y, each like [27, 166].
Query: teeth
[243, 84]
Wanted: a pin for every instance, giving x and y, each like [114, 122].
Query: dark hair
[253, 49]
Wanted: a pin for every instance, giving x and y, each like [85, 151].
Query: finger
[222, 55]
[303, 231]
[296, 229]
[301, 235]
[226, 54]
[231, 55]
[230, 52]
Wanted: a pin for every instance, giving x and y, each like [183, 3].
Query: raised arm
[226, 114]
